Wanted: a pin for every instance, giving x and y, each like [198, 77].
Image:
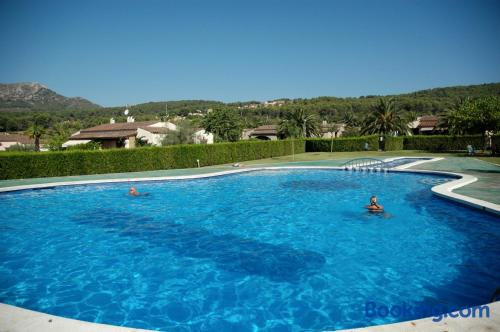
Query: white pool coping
[16, 319]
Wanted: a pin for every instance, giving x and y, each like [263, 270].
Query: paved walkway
[486, 188]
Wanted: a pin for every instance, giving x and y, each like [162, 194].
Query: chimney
[112, 120]
[130, 119]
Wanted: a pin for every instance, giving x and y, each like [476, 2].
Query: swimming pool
[259, 251]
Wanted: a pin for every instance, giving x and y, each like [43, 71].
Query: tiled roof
[428, 121]
[265, 130]
[16, 138]
[105, 134]
[117, 130]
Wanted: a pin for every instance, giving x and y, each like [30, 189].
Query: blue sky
[118, 51]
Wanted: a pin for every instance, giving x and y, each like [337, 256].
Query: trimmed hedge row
[394, 143]
[47, 164]
[439, 143]
[341, 144]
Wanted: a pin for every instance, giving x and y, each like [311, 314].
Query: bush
[21, 148]
[393, 143]
[440, 143]
[341, 144]
[84, 146]
[15, 165]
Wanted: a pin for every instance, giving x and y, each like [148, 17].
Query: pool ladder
[366, 164]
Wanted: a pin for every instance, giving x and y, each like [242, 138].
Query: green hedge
[393, 143]
[341, 144]
[46, 164]
[437, 143]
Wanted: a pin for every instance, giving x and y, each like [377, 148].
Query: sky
[116, 52]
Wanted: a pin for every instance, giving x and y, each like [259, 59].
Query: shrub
[85, 146]
[341, 144]
[21, 147]
[15, 165]
[393, 143]
[439, 143]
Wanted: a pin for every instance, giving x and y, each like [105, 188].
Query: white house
[203, 137]
[126, 134]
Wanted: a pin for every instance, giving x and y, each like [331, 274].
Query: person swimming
[133, 192]
[374, 206]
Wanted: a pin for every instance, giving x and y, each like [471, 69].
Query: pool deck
[486, 190]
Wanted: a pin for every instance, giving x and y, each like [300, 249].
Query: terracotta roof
[104, 134]
[117, 130]
[265, 130]
[428, 121]
[16, 138]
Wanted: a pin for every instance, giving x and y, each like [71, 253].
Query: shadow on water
[228, 251]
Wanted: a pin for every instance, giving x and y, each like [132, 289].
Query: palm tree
[36, 131]
[350, 120]
[305, 123]
[385, 120]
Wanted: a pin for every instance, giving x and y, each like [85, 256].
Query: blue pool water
[288, 250]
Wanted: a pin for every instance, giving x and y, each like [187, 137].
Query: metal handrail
[365, 163]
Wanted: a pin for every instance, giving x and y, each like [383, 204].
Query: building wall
[5, 145]
[201, 136]
[108, 144]
[154, 139]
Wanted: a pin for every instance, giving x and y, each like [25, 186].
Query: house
[126, 134]
[329, 130]
[7, 140]
[265, 132]
[427, 125]
[245, 134]
[203, 137]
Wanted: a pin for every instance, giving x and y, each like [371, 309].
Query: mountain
[35, 96]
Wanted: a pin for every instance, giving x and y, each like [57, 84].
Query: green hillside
[432, 101]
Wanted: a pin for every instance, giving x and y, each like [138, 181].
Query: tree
[480, 116]
[288, 129]
[299, 123]
[184, 134]
[350, 120]
[384, 120]
[36, 131]
[224, 124]
[61, 133]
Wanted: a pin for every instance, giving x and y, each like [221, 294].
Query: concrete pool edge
[16, 319]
